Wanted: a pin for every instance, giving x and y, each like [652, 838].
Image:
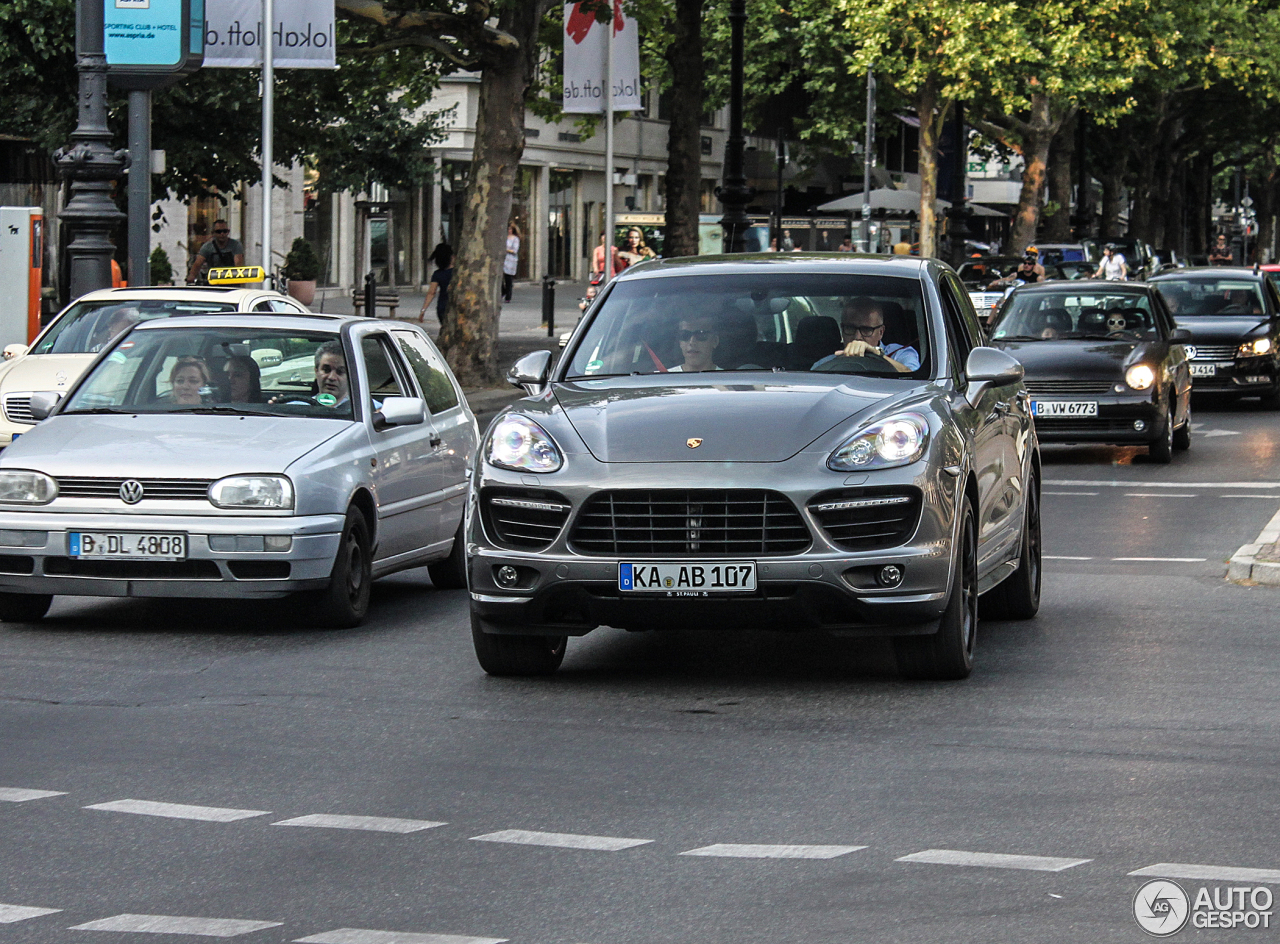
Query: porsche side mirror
[42, 403]
[531, 371]
[1180, 336]
[990, 367]
[400, 411]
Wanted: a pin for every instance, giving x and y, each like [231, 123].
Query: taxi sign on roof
[237, 275]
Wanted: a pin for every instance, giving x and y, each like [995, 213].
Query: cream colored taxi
[66, 348]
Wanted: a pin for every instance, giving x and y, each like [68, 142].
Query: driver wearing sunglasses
[698, 341]
[862, 327]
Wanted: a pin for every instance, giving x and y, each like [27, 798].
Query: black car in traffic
[1104, 362]
[1233, 316]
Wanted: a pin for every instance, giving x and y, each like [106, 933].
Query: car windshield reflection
[807, 322]
[1076, 316]
[1212, 296]
[220, 370]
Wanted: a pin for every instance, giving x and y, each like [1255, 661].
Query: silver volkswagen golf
[777, 441]
[241, 455]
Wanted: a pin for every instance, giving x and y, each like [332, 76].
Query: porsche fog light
[520, 444]
[252, 491]
[890, 575]
[1140, 377]
[20, 487]
[898, 440]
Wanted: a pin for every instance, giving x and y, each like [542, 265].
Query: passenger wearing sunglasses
[220, 251]
[862, 327]
[698, 341]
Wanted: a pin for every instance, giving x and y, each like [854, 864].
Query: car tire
[1182, 435]
[1017, 597]
[507, 654]
[345, 602]
[451, 573]
[1161, 449]
[24, 607]
[948, 654]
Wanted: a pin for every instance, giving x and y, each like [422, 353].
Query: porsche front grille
[523, 520]
[868, 519]
[679, 522]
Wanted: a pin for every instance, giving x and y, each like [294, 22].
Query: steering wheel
[842, 362]
[291, 399]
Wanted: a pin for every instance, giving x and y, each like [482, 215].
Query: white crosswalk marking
[174, 924]
[210, 814]
[992, 860]
[18, 795]
[1210, 873]
[360, 936]
[562, 840]
[730, 850]
[381, 824]
[11, 913]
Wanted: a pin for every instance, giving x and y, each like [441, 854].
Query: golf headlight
[252, 491]
[20, 487]
[1140, 377]
[898, 440]
[1254, 348]
[519, 443]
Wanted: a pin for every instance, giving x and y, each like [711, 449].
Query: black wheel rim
[355, 569]
[1033, 540]
[969, 587]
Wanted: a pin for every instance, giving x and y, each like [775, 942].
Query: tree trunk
[684, 135]
[1057, 227]
[469, 334]
[1112, 202]
[1035, 157]
[932, 112]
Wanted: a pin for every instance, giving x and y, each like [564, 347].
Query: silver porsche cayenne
[792, 442]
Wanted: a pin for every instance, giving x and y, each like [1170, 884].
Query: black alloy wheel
[24, 607]
[345, 602]
[947, 655]
[1182, 435]
[516, 654]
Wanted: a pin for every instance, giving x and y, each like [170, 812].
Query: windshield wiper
[98, 409]
[219, 408]
[1018, 337]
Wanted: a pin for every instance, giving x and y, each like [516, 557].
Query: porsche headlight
[1140, 377]
[20, 487]
[252, 491]
[520, 444]
[898, 440]
[1254, 348]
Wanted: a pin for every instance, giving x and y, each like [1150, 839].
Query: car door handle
[435, 441]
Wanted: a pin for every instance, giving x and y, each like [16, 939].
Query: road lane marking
[1271, 497]
[11, 913]
[174, 924]
[381, 824]
[1159, 495]
[732, 850]
[18, 795]
[1159, 560]
[211, 814]
[1067, 493]
[993, 860]
[1059, 557]
[562, 840]
[361, 936]
[1115, 483]
[1220, 873]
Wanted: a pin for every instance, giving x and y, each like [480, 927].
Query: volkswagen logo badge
[131, 491]
[1191, 351]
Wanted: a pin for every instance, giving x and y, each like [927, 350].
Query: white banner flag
[303, 34]
[584, 39]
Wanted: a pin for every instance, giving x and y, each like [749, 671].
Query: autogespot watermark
[1163, 908]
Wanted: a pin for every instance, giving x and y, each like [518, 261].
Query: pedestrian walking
[442, 256]
[788, 244]
[511, 262]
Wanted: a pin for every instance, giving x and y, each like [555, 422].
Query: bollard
[549, 304]
[371, 296]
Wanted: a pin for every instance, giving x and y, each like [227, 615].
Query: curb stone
[1244, 566]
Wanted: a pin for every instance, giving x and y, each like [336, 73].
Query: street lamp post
[89, 162]
[735, 194]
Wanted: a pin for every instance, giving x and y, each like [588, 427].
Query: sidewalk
[520, 330]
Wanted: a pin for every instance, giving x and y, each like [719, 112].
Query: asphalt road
[1134, 725]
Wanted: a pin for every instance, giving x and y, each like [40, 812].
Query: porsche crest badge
[693, 443]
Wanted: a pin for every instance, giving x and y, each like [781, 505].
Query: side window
[965, 306]
[379, 367]
[429, 368]
[264, 305]
[959, 342]
[1272, 294]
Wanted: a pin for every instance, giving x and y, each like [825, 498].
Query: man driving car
[862, 326]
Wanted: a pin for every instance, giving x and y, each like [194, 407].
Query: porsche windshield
[184, 369]
[1076, 316]
[87, 327]
[819, 322]
[1212, 296]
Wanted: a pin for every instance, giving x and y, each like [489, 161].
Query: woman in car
[188, 377]
[243, 379]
